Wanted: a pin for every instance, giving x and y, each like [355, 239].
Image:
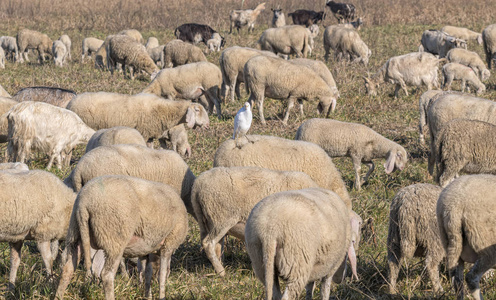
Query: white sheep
[425, 101]
[414, 69]
[215, 43]
[50, 129]
[133, 33]
[177, 53]
[470, 59]
[466, 216]
[346, 42]
[113, 136]
[286, 40]
[9, 45]
[438, 42]
[151, 43]
[456, 71]
[30, 39]
[301, 236]
[247, 17]
[489, 39]
[59, 52]
[128, 217]
[67, 42]
[356, 141]
[178, 137]
[280, 79]
[278, 18]
[222, 201]
[90, 45]
[462, 33]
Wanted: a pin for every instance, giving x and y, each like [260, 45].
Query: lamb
[215, 43]
[278, 19]
[412, 69]
[156, 55]
[163, 166]
[301, 236]
[470, 59]
[90, 45]
[128, 217]
[466, 216]
[30, 39]
[67, 42]
[344, 12]
[245, 17]
[232, 62]
[2, 58]
[489, 39]
[36, 205]
[189, 82]
[356, 141]
[306, 17]
[346, 42]
[151, 43]
[4, 93]
[178, 137]
[462, 33]
[194, 33]
[134, 34]
[124, 50]
[414, 231]
[5, 105]
[283, 155]
[425, 101]
[280, 79]
[113, 136]
[17, 166]
[222, 201]
[149, 114]
[314, 32]
[290, 39]
[9, 45]
[59, 52]
[438, 42]
[38, 125]
[456, 71]
[177, 53]
[51, 95]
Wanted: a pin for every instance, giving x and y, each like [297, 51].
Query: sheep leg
[293, 288]
[50, 162]
[484, 263]
[131, 72]
[209, 244]
[325, 287]
[291, 102]
[72, 259]
[456, 274]
[260, 109]
[432, 266]
[300, 103]
[15, 261]
[238, 93]
[464, 84]
[165, 261]
[54, 248]
[46, 255]
[357, 166]
[213, 99]
[403, 86]
[148, 277]
[394, 269]
[108, 274]
[371, 166]
[309, 288]
[448, 81]
[396, 90]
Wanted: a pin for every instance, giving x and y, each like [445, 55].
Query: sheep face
[485, 75]
[197, 116]
[397, 160]
[370, 87]
[326, 105]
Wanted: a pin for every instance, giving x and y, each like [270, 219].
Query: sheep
[51, 95]
[30, 39]
[489, 39]
[151, 43]
[36, 205]
[438, 42]
[178, 137]
[134, 34]
[245, 17]
[177, 53]
[9, 45]
[38, 125]
[425, 101]
[194, 33]
[462, 33]
[4, 93]
[89, 46]
[215, 43]
[128, 52]
[412, 69]
[232, 62]
[283, 155]
[470, 59]
[163, 166]
[59, 52]
[5, 105]
[346, 42]
[17, 166]
[128, 217]
[156, 55]
[344, 12]
[2, 58]
[456, 71]
[466, 216]
[314, 32]
[149, 114]
[189, 82]
[414, 231]
[286, 40]
[301, 236]
[356, 141]
[278, 19]
[113, 136]
[222, 201]
[306, 17]
[67, 42]
[280, 79]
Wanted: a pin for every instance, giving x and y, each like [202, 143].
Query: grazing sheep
[178, 137]
[466, 216]
[30, 39]
[286, 40]
[113, 136]
[126, 51]
[346, 42]
[356, 141]
[156, 55]
[414, 69]
[38, 125]
[344, 12]
[489, 39]
[51, 95]
[245, 17]
[2, 58]
[189, 82]
[456, 71]
[90, 45]
[5, 105]
[215, 43]
[465, 146]
[67, 42]
[470, 59]
[222, 199]
[128, 217]
[163, 166]
[149, 114]
[463, 33]
[194, 33]
[59, 52]
[278, 19]
[232, 62]
[425, 101]
[4, 93]
[151, 43]
[283, 155]
[9, 45]
[17, 166]
[301, 236]
[177, 53]
[438, 42]
[36, 205]
[414, 231]
[306, 17]
[134, 34]
[280, 79]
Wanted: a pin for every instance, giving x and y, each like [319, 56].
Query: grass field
[391, 28]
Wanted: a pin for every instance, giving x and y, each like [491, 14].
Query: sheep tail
[83, 219]
[453, 235]
[269, 255]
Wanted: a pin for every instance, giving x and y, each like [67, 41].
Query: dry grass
[392, 28]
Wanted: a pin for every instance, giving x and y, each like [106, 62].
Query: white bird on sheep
[242, 121]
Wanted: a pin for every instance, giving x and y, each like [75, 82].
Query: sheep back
[177, 53]
[51, 95]
[113, 136]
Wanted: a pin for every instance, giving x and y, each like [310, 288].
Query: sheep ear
[389, 164]
[353, 261]
[190, 117]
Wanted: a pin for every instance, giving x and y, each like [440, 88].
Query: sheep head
[370, 87]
